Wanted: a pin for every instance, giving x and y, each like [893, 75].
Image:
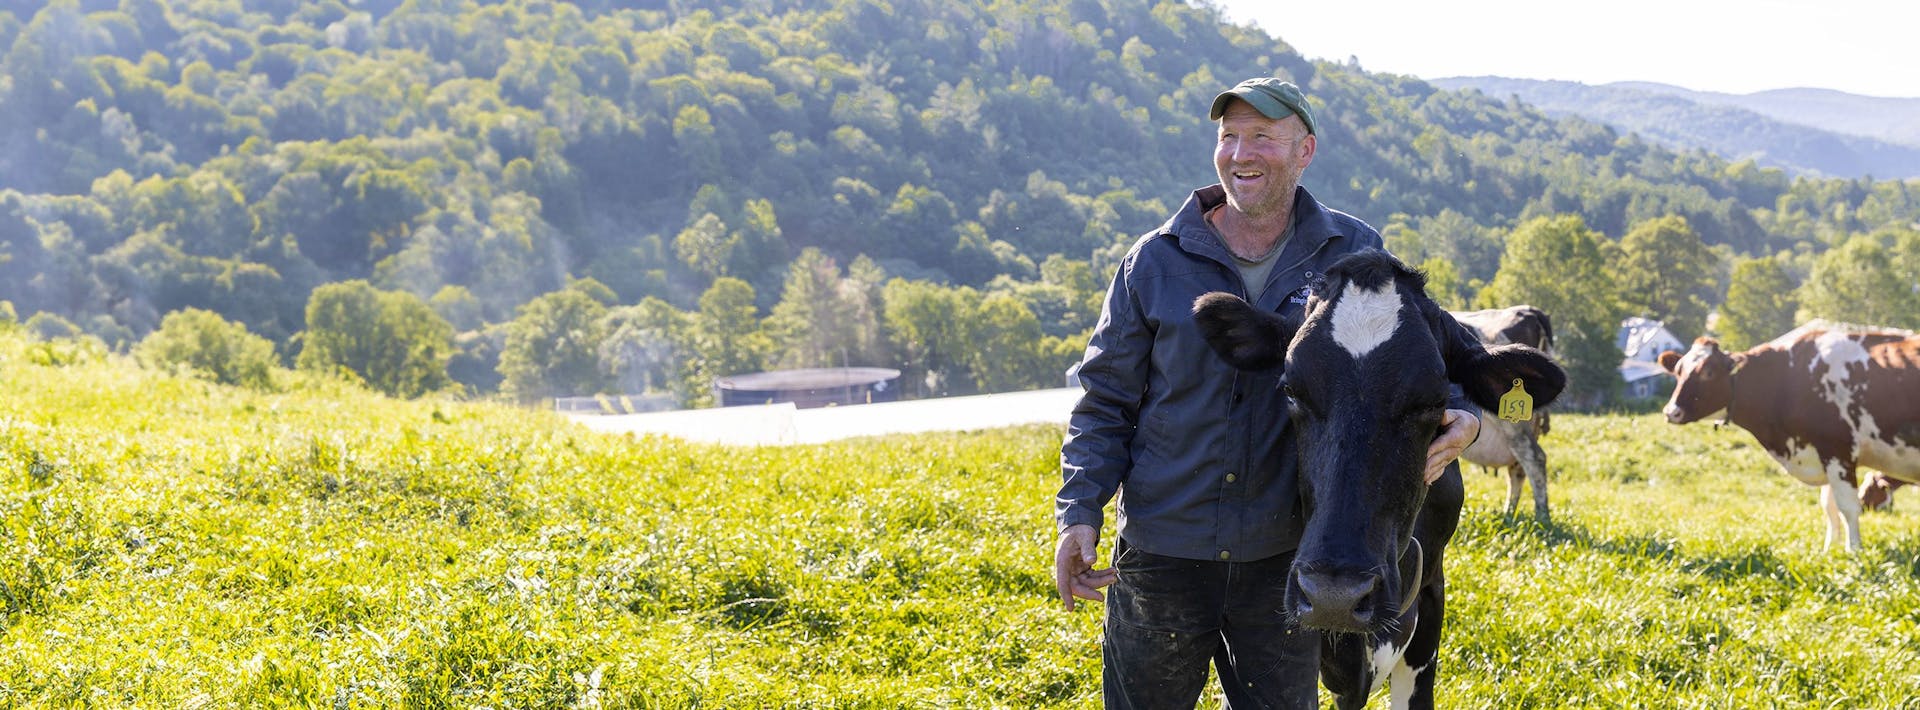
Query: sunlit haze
[1857, 46]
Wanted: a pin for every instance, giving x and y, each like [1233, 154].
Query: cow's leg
[1516, 480]
[1842, 506]
[1843, 502]
[1831, 513]
[1533, 460]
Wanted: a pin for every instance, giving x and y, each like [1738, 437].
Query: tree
[920, 221]
[458, 306]
[1666, 274]
[553, 346]
[476, 358]
[390, 340]
[1469, 246]
[1868, 279]
[647, 349]
[1086, 293]
[206, 345]
[203, 213]
[864, 291]
[727, 337]
[1008, 352]
[760, 246]
[925, 326]
[822, 320]
[706, 247]
[1557, 265]
[1443, 283]
[1760, 304]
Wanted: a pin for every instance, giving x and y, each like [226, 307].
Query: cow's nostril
[1363, 609]
[1337, 602]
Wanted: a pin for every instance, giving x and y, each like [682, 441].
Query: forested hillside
[541, 198]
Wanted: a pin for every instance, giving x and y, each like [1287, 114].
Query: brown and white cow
[1876, 491]
[1823, 399]
[1513, 447]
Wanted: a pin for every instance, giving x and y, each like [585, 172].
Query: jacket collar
[1311, 222]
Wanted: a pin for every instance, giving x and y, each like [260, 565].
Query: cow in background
[1367, 367]
[1514, 447]
[1876, 491]
[1823, 400]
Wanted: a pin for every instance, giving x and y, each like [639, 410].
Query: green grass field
[166, 543]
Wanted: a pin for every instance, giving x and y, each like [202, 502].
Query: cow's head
[1876, 490]
[1706, 380]
[1367, 367]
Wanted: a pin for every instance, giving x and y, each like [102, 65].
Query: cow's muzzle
[1357, 602]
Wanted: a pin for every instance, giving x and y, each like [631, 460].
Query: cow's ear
[1670, 360]
[1246, 337]
[1488, 375]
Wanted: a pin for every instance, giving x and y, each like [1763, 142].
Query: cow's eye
[1298, 404]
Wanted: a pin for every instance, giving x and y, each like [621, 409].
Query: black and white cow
[1367, 369]
[1514, 446]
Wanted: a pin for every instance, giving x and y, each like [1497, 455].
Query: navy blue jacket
[1201, 455]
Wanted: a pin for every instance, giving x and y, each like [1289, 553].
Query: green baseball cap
[1272, 97]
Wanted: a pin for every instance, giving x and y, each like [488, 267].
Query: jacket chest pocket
[1154, 435]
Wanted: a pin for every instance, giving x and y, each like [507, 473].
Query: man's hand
[1073, 571]
[1458, 428]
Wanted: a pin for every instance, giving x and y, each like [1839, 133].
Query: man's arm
[1097, 451]
[1460, 426]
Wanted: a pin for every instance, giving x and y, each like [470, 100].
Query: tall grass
[1683, 569]
[168, 543]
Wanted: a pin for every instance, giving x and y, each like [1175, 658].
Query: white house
[1641, 341]
[1644, 339]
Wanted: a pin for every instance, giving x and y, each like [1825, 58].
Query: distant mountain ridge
[1805, 131]
[1895, 120]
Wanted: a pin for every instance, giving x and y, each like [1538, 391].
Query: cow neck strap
[1726, 415]
[1419, 574]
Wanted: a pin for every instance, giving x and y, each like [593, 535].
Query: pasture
[168, 543]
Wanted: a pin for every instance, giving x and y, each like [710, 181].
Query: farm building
[1645, 380]
[1641, 341]
[1644, 339]
[811, 387]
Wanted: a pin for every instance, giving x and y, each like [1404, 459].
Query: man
[1202, 456]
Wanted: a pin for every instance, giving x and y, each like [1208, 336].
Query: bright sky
[1858, 46]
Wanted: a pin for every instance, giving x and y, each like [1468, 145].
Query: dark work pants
[1167, 618]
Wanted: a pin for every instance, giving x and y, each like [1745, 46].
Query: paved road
[775, 424]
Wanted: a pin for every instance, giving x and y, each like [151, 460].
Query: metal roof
[807, 378]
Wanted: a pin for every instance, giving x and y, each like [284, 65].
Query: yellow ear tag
[1516, 405]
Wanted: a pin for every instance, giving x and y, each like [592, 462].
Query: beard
[1261, 203]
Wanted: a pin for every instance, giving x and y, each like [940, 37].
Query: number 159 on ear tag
[1516, 405]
